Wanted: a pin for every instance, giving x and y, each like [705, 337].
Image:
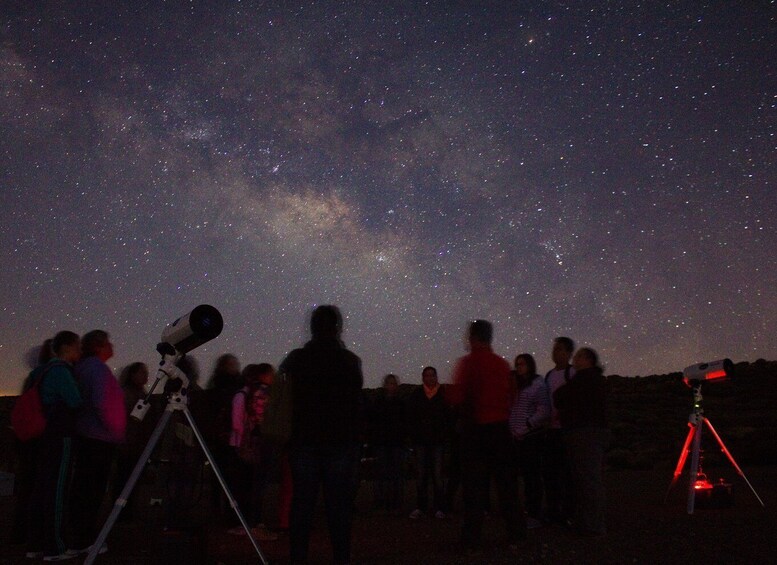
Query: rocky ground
[642, 530]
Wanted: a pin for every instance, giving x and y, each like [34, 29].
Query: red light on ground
[702, 483]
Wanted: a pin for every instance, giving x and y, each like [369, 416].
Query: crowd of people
[495, 424]
[64, 473]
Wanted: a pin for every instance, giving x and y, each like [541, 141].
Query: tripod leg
[232, 501]
[681, 461]
[694, 467]
[725, 450]
[121, 502]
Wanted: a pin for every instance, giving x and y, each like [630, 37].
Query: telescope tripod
[177, 402]
[696, 423]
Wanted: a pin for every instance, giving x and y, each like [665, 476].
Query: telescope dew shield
[708, 371]
[199, 326]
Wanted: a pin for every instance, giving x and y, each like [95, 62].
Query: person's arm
[238, 418]
[358, 376]
[111, 406]
[541, 416]
[514, 418]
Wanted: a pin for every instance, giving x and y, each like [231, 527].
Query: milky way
[583, 169]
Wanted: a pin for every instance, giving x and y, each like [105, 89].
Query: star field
[603, 171]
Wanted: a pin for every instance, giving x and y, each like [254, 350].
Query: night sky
[602, 170]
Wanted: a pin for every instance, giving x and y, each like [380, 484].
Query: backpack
[27, 418]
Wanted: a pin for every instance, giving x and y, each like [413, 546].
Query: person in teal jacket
[60, 398]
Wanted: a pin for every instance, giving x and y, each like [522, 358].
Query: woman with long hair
[529, 416]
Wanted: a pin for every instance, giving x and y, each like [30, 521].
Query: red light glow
[702, 484]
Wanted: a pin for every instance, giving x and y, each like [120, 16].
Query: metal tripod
[696, 423]
[177, 401]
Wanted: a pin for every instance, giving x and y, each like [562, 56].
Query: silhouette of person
[558, 496]
[132, 379]
[430, 422]
[326, 381]
[387, 431]
[224, 382]
[582, 407]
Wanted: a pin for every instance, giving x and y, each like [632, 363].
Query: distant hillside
[649, 417]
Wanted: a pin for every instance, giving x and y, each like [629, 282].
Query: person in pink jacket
[100, 428]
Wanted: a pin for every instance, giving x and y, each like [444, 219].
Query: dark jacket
[582, 401]
[429, 419]
[387, 421]
[326, 381]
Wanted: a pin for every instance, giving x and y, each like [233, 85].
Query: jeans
[47, 499]
[389, 484]
[334, 469]
[559, 497]
[486, 452]
[430, 470]
[529, 450]
[93, 461]
[586, 448]
[259, 478]
[27, 454]
[248, 481]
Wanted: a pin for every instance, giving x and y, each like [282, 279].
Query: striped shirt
[531, 409]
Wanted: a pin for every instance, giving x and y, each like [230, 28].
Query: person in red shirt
[483, 392]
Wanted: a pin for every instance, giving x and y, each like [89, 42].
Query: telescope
[694, 376]
[192, 330]
[188, 332]
[711, 371]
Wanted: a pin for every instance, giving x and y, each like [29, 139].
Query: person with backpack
[558, 495]
[26, 454]
[253, 453]
[60, 398]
